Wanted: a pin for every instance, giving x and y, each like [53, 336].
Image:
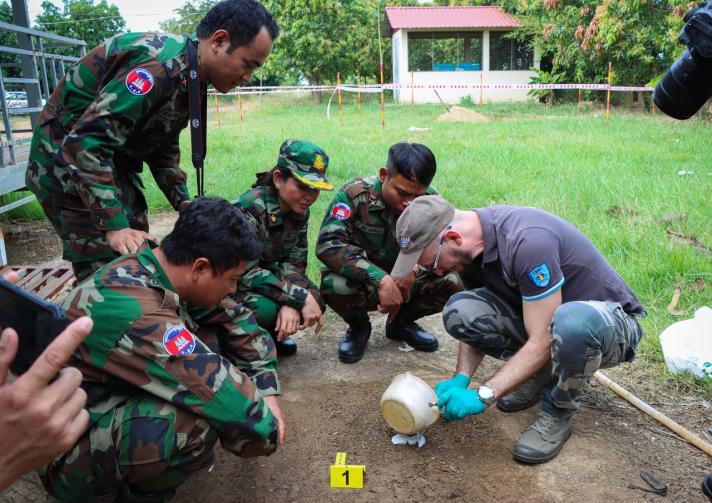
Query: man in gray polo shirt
[538, 295]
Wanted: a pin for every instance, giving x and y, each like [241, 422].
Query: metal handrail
[42, 70]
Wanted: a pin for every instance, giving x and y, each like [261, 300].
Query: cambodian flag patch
[341, 211]
[178, 341]
[540, 275]
[139, 81]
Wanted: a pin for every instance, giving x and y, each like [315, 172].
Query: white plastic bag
[687, 345]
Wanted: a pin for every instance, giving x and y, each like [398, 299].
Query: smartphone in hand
[36, 321]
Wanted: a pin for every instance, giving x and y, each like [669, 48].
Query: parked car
[18, 99]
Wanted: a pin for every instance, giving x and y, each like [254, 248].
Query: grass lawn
[618, 183]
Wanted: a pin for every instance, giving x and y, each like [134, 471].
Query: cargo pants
[586, 336]
[352, 300]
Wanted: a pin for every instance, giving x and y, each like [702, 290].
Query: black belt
[198, 105]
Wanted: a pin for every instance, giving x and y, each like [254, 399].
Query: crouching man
[170, 366]
[539, 295]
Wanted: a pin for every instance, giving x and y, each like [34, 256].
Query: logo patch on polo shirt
[178, 341]
[540, 275]
[139, 81]
[341, 211]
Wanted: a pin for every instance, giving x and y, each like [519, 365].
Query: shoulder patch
[178, 341]
[355, 187]
[540, 275]
[341, 211]
[139, 81]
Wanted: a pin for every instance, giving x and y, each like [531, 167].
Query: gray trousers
[586, 336]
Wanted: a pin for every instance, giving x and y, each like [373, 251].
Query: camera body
[687, 85]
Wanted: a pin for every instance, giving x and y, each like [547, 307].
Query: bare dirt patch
[461, 114]
[331, 406]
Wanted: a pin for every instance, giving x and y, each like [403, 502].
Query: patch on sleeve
[341, 211]
[178, 341]
[540, 275]
[139, 81]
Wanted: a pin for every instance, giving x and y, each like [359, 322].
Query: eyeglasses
[434, 267]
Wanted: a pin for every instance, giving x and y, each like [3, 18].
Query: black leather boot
[354, 344]
[286, 347]
[413, 334]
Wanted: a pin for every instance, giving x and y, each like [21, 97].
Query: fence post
[358, 91]
[481, 86]
[217, 108]
[338, 91]
[608, 99]
[239, 101]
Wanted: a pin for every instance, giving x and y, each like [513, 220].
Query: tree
[8, 39]
[82, 19]
[189, 15]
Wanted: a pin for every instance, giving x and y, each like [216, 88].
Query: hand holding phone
[40, 418]
[36, 321]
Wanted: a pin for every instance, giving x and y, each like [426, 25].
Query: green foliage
[8, 39]
[188, 16]
[543, 77]
[82, 19]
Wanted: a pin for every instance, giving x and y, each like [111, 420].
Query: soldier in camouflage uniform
[358, 246]
[123, 104]
[276, 287]
[166, 373]
[540, 296]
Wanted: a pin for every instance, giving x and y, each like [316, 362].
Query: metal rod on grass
[608, 98]
[579, 102]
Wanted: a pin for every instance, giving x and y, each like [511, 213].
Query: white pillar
[400, 61]
[485, 51]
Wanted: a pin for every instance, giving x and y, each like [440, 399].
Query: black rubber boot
[707, 486]
[354, 344]
[413, 334]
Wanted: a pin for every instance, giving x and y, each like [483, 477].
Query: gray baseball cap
[418, 225]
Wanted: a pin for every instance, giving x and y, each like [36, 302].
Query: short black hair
[242, 19]
[414, 161]
[213, 228]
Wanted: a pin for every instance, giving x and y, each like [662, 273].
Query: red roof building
[449, 49]
[434, 18]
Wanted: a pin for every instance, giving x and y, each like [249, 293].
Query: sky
[140, 15]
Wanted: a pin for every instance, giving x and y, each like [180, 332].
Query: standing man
[165, 381]
[357, 243]
[123, 104]
[540, 296]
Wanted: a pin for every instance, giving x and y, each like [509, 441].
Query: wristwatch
[486, 394]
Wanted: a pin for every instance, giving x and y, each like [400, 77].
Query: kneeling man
[166, 370]
[538, 294]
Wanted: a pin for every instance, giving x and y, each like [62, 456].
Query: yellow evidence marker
[346, 476]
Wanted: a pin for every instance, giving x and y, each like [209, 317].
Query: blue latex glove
[457, 381]
[456, 403]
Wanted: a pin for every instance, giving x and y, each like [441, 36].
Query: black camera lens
[684, 88]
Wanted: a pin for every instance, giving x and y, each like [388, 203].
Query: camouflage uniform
[358, 246]
[123, 104]
[158, 396]
[279, 276]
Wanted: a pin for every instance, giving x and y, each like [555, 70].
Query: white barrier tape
[376, 88]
